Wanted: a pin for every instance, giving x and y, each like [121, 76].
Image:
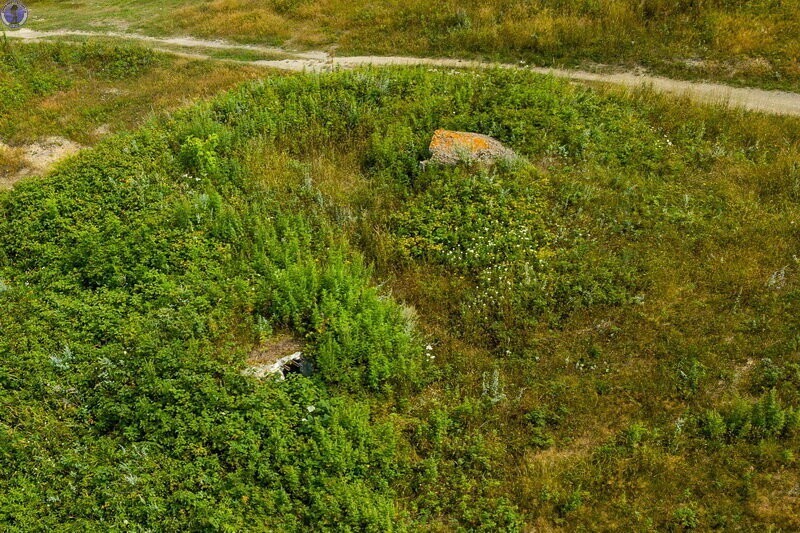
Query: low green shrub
[754, 421]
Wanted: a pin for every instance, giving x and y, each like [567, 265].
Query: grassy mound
[602, 331]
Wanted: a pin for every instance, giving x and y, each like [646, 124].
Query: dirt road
[773, 102]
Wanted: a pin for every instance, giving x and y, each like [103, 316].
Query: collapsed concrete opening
[278, 357]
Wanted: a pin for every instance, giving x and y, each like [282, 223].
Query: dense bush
[133, 279]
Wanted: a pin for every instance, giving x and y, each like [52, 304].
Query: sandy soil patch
[35, 159]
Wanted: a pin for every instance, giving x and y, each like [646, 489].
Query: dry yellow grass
[11, 162]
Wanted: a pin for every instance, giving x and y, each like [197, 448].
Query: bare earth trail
[772, 102]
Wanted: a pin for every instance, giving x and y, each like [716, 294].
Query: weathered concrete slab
[454, 147]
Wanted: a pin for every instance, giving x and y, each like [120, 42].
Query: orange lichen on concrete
[450, 147]
[449, 140]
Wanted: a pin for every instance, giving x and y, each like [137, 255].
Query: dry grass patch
[11, 163]
[274, 349]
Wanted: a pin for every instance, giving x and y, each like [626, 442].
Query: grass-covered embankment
[611, 318]
[59, 89]
[82, 93]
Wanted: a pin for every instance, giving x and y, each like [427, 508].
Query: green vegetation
[127, 310]
[81, 93]
[71, 91]
[241, 53]
[752, 42]
[603, 331]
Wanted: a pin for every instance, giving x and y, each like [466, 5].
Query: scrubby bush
[755, 421]
[685, 518]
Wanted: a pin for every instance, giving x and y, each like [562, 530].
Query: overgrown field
[49, 89]
[82, 93]
[738, 41]
[601, 332]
